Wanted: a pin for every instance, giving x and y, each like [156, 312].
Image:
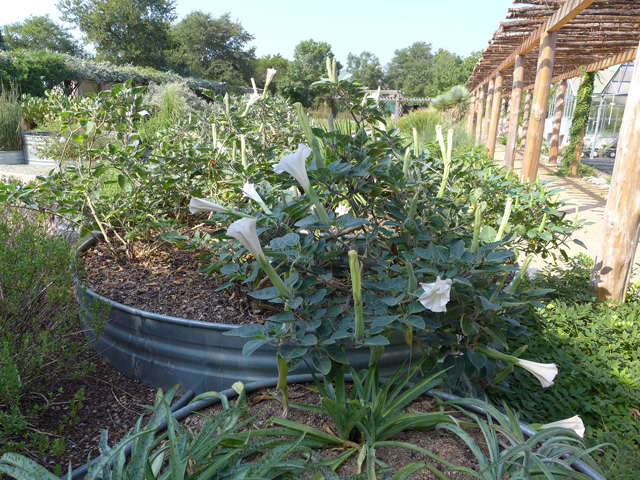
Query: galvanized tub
[162, 351]
[12, 157]
[31, 142]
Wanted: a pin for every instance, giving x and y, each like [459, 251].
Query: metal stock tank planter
[31, 143]
[161, 351]
[11, 157]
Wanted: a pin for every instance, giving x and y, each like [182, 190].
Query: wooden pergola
[551, 41]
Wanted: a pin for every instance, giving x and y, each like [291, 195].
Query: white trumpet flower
[244, 230]
[342, 209]
[198, 205]
[249, 191]
[544, 372]
[436, 295]
[295, 165]
[271, 72]
[574, 423]
[253, 99]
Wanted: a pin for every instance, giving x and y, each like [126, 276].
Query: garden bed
[167, 282]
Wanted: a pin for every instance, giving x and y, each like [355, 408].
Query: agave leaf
[405, 472]
[23, 468]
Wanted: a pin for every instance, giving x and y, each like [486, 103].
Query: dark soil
[111, 401]
[264, 407]
[167, 282]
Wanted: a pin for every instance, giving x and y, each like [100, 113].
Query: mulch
[167, 282]
[111, 401]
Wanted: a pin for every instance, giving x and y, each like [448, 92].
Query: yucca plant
[10, 119]
[453, 104]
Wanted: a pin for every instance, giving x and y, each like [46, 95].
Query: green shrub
[10, 120]
[425, 120]
[38, 315]
[597, 348]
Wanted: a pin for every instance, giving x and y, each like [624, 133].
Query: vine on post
[573, 151]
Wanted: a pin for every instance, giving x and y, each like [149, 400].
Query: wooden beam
[471, 113]
[610, 61]
[621, 223]
[516, 106]
[557, 120]
[538, 115]
[479, 107]
[496, 106]
[563, 15]
[487, 112]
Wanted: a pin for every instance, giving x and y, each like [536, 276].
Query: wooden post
[487, 112]
[538, 115]
[557, 119]
[496, 106]
[621, 222]
[525, 119]
[516, 105]
[479, 108]
[471, 113]
[505, 119]
[396, 115]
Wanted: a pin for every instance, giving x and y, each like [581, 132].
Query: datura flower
[253, 99]
[544, 372]
[342, 209]
[574, 423]
[198, 205]
[294, 164]
[249, 191]
[244, 230]
[271, 72]
[436, 295]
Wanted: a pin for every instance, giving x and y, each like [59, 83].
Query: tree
[308, 66]
[366, 70]
[39, 33]
[410, 69]
[469, 63]
[261, 65]
[447, 71]
[214, 48]
[3, 45]
[124, 31]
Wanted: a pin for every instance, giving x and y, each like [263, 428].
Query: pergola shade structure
[556, 40]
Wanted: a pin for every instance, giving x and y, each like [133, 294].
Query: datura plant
[358, 240]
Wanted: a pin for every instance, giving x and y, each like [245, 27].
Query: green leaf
[457, 249]
[282, 317]
[467, 325]
[383, 320]
[415, 307]
[496, 334]
[322, 364]
[337, 354]
[265, 294]
[477, 359]
[376, 340]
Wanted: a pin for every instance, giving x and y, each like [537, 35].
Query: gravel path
[24, 172]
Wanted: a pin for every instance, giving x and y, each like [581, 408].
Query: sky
[350, 26]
